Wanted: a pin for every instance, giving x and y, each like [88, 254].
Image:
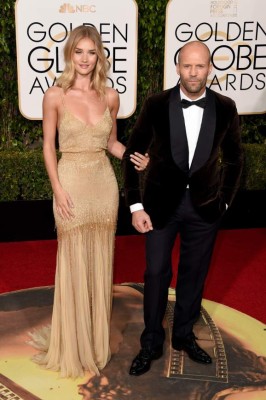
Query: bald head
[198, 47]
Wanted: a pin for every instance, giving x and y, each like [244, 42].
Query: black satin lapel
[178, 137]
[206, 135]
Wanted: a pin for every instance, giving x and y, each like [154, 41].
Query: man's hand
[141, 221]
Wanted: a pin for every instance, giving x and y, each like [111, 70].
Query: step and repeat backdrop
[41, 31]
[234, 31]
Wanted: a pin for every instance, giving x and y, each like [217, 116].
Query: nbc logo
[68, 8]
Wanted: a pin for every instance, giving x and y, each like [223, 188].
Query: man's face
[193, 68]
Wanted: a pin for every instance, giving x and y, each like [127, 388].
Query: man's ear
[177, 69]
[210, 69]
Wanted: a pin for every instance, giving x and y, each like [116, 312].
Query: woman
[85, 192]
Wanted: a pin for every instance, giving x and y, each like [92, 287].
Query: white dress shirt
[193, 118]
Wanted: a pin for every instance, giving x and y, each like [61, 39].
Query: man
[192, 177]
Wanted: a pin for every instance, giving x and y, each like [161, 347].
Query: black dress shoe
[142, 362]
[190, 346]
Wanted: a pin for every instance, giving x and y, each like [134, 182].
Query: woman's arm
[63, 201]
[115, 147]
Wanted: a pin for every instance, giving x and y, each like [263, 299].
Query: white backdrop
[235, 32]
[41, 31]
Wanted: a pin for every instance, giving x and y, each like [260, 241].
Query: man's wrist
[136, 207]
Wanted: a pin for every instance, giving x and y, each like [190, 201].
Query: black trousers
[197, 239]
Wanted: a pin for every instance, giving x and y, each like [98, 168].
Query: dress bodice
[76, 136]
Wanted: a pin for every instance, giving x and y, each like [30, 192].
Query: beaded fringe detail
[78, 338]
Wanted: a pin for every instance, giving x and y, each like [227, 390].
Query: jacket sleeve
[232, 159]
[139, 141]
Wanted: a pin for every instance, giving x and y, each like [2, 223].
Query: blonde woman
[84, 112]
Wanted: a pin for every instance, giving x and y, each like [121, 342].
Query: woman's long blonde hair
[99, 74]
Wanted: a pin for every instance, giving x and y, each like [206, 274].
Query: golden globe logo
[223, 8]
[82, 8]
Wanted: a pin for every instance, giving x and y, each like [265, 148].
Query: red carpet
[237, 276]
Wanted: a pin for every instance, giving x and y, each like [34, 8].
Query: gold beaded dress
[80, 331]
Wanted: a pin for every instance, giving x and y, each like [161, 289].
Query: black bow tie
[186, 103]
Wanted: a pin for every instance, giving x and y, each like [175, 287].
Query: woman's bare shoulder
[53, 95]
[112, 97]
[53, 92]
[111, 93]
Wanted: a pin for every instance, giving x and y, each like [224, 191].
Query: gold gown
[79, 337]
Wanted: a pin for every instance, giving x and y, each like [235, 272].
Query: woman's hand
[64, 204]
[141, 161]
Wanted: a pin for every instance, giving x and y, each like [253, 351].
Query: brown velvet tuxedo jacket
[214, 175]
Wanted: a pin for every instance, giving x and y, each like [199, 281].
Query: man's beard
[193, 88]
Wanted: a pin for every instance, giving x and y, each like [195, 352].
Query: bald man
[192, 136]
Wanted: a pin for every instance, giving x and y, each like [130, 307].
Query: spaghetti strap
[106, 98]
[63, 99]
[64, 109]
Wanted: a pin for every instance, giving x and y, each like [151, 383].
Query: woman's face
[85, 57]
